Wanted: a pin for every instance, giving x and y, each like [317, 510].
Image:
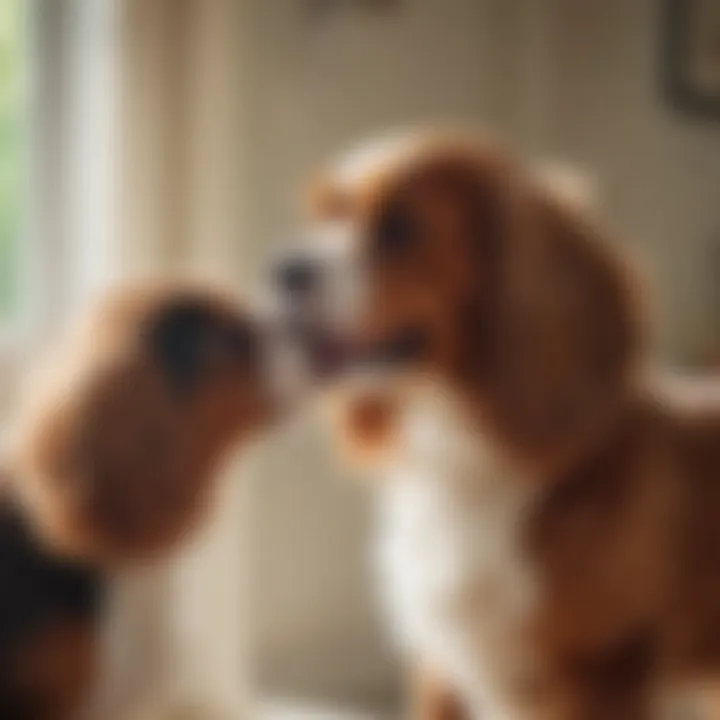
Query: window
[13, 146]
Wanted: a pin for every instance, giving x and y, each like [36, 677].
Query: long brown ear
[566, 330]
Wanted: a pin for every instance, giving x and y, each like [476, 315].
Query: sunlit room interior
[146, 138]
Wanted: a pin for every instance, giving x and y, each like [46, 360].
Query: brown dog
[550, 519]
[123, 430]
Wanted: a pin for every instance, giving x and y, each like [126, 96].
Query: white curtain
[140, 174]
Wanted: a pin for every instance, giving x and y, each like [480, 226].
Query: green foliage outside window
[13, 135]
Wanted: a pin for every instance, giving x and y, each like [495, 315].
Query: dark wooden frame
[677, 84]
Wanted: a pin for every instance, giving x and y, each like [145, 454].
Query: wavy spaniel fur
[550, 508]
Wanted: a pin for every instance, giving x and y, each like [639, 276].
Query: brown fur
[118, 441]
[54, 672]
[114, 460]
[366, 424]
[534, 320]
[433, 698]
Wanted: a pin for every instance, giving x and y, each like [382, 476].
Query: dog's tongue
[326, 353]
[331, 355]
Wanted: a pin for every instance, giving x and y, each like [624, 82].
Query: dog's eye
[178, 336]
[191, 342]
[396, 231]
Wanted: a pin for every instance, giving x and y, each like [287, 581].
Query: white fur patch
[570, 184]
[342, 294]
[458, 590]
[365, 159]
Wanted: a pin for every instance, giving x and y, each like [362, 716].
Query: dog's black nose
[297, 276]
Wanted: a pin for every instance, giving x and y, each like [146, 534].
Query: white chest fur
[457, 587]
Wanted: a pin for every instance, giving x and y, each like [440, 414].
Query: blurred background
[141, 137]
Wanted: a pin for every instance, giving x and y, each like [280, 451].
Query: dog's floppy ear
[566, 330]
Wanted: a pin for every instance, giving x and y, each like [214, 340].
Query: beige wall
[660, 168]
[579, 80]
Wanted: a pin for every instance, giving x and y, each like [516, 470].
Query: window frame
[67, 247]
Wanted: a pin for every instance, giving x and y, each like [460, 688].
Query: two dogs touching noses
[547, 512]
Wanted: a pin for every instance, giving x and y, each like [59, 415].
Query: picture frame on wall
[692, 55]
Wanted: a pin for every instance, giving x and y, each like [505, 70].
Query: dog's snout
[298, 276]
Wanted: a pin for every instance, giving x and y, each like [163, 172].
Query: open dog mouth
[331, 354]
[405, 346]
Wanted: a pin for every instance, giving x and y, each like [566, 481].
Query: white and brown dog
[550, 516]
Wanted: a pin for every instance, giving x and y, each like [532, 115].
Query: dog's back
[694, 407]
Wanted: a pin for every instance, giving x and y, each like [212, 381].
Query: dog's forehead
[354, 180]
[362, 163]
[360, 179]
